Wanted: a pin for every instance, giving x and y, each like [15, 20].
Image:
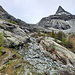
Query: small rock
[17, 66]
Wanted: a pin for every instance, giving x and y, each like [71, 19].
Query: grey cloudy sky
[31, 11]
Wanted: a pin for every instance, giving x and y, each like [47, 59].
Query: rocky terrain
[62, 20]
[36, 53]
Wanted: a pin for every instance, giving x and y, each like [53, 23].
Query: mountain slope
[40, 54]
[58, 20]
[23, 25]
[6, 16]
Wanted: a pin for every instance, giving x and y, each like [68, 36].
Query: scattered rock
[18, 66]
[14, 56]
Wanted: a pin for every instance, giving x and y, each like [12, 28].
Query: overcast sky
[31, 11]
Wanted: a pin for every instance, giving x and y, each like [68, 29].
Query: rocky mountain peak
[61, 11]
[58, 20]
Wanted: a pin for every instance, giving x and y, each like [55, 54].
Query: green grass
[13, 22]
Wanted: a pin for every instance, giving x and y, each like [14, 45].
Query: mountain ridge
[39, 52]
[6, 16]
[58, 20]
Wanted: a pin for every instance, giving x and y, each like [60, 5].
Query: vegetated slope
[42, 53]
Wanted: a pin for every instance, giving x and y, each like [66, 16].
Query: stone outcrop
[58, 20]
[13, 35]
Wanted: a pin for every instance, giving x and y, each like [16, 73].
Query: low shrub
[13, 22]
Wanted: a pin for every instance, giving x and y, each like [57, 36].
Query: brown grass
[8, 68]
[73, 43]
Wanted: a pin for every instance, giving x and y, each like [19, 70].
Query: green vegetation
[63, 41]
[0, 53]
[52, 46]
[62, 37]
[38, 32]
[13, 22]
[43, 35]
[69, 43]
[59, 35]
[53, 34]
[3, 69]
[49, 34]
[1, 44]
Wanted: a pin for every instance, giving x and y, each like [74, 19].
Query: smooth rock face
[72, 23]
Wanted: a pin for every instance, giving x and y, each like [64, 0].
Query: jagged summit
[61, 11]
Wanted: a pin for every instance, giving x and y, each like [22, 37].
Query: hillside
[35, 49]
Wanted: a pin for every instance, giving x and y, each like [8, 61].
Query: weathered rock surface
[55, 23]
[49, 61]
[23, 25]
[43, 53]
[58, 20]
[13, 35]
